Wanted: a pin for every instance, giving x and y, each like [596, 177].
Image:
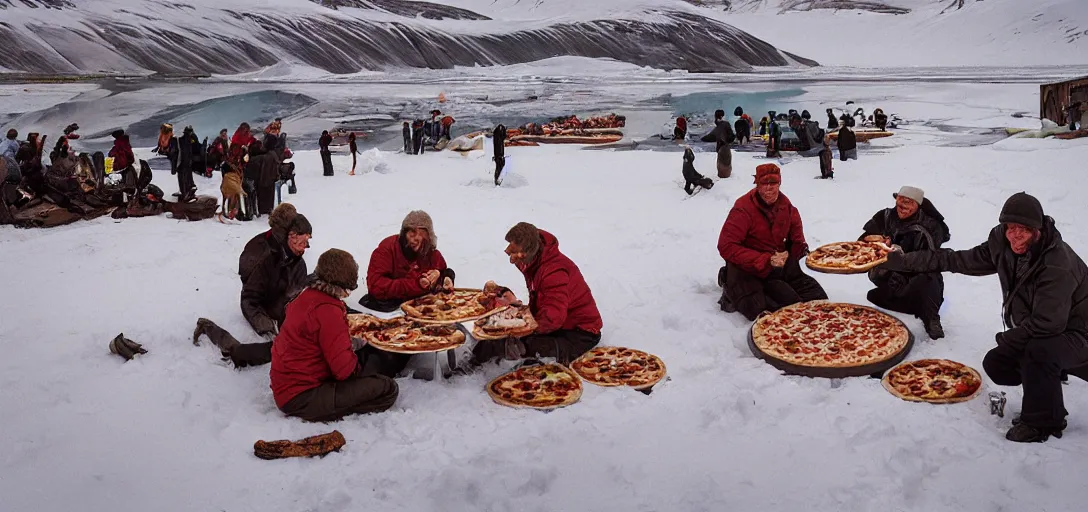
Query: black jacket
[690, 174]
[847, 139]
[832, 122]
[721, 135]
[499, 141]
[925, 230]
[1049, 298]
[270, 286]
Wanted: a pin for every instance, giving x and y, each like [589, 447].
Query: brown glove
[309, 447]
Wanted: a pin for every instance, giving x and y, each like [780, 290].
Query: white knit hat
[913, 193]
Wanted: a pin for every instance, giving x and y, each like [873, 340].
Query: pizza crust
[572, 398]
[820, 266]
[886, 382]
[418, 316]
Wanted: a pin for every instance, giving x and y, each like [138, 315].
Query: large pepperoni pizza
[546, 386]
[402, 335]
[454, 306]
[812, 336]
[847, 257]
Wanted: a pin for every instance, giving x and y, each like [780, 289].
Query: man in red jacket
[762, 243]
[315, 375]
[406, 266]
[559, 298]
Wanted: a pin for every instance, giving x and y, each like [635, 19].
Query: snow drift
[205, 37]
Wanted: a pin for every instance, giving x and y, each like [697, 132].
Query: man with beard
[270, 285]
[762, 242]
[914, 224]
[569, 323]
[406, 266]
[1044, 288]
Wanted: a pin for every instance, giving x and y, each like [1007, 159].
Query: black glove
[896, 261]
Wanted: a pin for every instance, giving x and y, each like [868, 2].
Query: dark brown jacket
[1048, 298]
[270, 286]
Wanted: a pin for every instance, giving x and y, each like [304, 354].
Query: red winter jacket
[122, 153]
[313, 346]
[753, 232]
[558, 294]
[391, 276]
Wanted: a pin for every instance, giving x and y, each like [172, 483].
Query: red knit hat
[768, 173]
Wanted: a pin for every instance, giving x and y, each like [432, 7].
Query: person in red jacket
[315, 374]
[762, 243]
[406, 266]
[559, 298]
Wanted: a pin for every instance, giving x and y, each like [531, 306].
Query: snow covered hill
[348, 36]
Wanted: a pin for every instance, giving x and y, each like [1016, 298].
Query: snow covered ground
[173, 430]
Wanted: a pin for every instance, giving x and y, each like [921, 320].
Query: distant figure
[763, 126]
[827, 169]
[847, 120]
[681, 130]
[742, 126]
[832, 121]
[354, 148]
[326, 154]
[498, 140]
[417, 137]
[805, 115]
[692, 178]
[880, 119]
[848, 144]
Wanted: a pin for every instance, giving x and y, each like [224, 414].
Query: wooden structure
[1054, 98]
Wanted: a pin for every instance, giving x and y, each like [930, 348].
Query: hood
[549, 246]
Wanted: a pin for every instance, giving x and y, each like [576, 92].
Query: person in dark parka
[417, 137]
[406, 133]
[1044, 286]
[326, 154]
[692, 178]
[722, 136]
[271, 284]
[279, 221]
[914, 224]
[498, 142]
[847, 142]
[832, 121]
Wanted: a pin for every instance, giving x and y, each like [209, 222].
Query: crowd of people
[319, 373]
[1044, 283]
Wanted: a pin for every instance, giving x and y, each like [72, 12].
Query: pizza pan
[834, 373]
[396, 350]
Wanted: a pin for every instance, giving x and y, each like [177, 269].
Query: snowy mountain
[349, 36]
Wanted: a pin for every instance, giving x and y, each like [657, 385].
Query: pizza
[848, 257]
[547, 386]
[829, 335]
[512, 322]
[403, 335]
[937, 381]
[618, 366]
[459, 305]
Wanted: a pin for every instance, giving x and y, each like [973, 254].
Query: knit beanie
[281, 217]
[417, 219]
[338, 268]
[1022, 208]
[913, 193]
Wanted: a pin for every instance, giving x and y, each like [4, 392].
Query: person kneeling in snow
[914, 224]
[406, 266]
[692, 178]
[1044, 285]
[271, 284]
[762, 243]
[315, 374]
[559, 298]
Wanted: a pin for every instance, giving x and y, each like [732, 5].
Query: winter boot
[1016, 420]
[125, 347]
[218, 335]
[1024, 433]
[309, 447]
[934, 328]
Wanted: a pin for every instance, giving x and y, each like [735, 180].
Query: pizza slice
[514, 322]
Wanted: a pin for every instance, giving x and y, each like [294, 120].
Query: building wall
[1053, 98]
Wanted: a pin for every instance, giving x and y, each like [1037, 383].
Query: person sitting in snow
[270, 285]
[559, 298]
[692, 178]
[1044, 285]
[762, 243]
[406, 266]
[913, 224]
[258, 247]
[315, 375]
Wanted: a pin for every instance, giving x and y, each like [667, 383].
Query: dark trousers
[377, 362]
[326, 161]
[704, 182]
[385, 306]
[266, 199]
[407, 144]
[252, 354]
[920, 295]
[564, 345]
[751, 295]
[500, 162]
[186, 184]
[331, 401]
[1038, 367]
